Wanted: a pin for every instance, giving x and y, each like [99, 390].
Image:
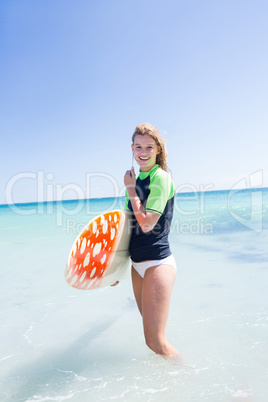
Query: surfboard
[99, 256]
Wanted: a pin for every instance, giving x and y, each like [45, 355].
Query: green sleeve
[161, 190]
[126, 201]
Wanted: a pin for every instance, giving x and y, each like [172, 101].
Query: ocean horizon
[177, 194]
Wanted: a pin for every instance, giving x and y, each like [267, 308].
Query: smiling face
[145, 151]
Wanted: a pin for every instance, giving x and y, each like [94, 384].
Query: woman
[150, 198]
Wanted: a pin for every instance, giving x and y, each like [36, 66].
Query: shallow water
[58, 343]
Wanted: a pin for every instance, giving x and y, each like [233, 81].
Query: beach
[59, 343]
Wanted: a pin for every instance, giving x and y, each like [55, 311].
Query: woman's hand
[130, 180]
[146, 219]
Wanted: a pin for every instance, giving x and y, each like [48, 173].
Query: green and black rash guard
[156, 191]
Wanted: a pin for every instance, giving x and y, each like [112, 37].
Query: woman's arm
[146, 219]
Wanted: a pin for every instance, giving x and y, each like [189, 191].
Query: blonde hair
[146, 128]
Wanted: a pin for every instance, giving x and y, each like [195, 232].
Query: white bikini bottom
[141, 267]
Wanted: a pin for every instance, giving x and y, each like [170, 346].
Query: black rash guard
[156, 191]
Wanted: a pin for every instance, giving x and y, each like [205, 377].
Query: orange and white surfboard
[99, 256]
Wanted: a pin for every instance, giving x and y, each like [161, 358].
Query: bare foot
[178, 358]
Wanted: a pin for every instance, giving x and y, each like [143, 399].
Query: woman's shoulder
[158, 172]
[162, 179]
[161, 185]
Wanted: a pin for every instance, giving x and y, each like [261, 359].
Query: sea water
[62, 344]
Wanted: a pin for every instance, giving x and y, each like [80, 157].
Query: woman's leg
[152, 294]
[156, 293]
[137, 282]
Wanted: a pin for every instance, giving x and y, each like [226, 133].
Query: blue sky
[78, 76]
